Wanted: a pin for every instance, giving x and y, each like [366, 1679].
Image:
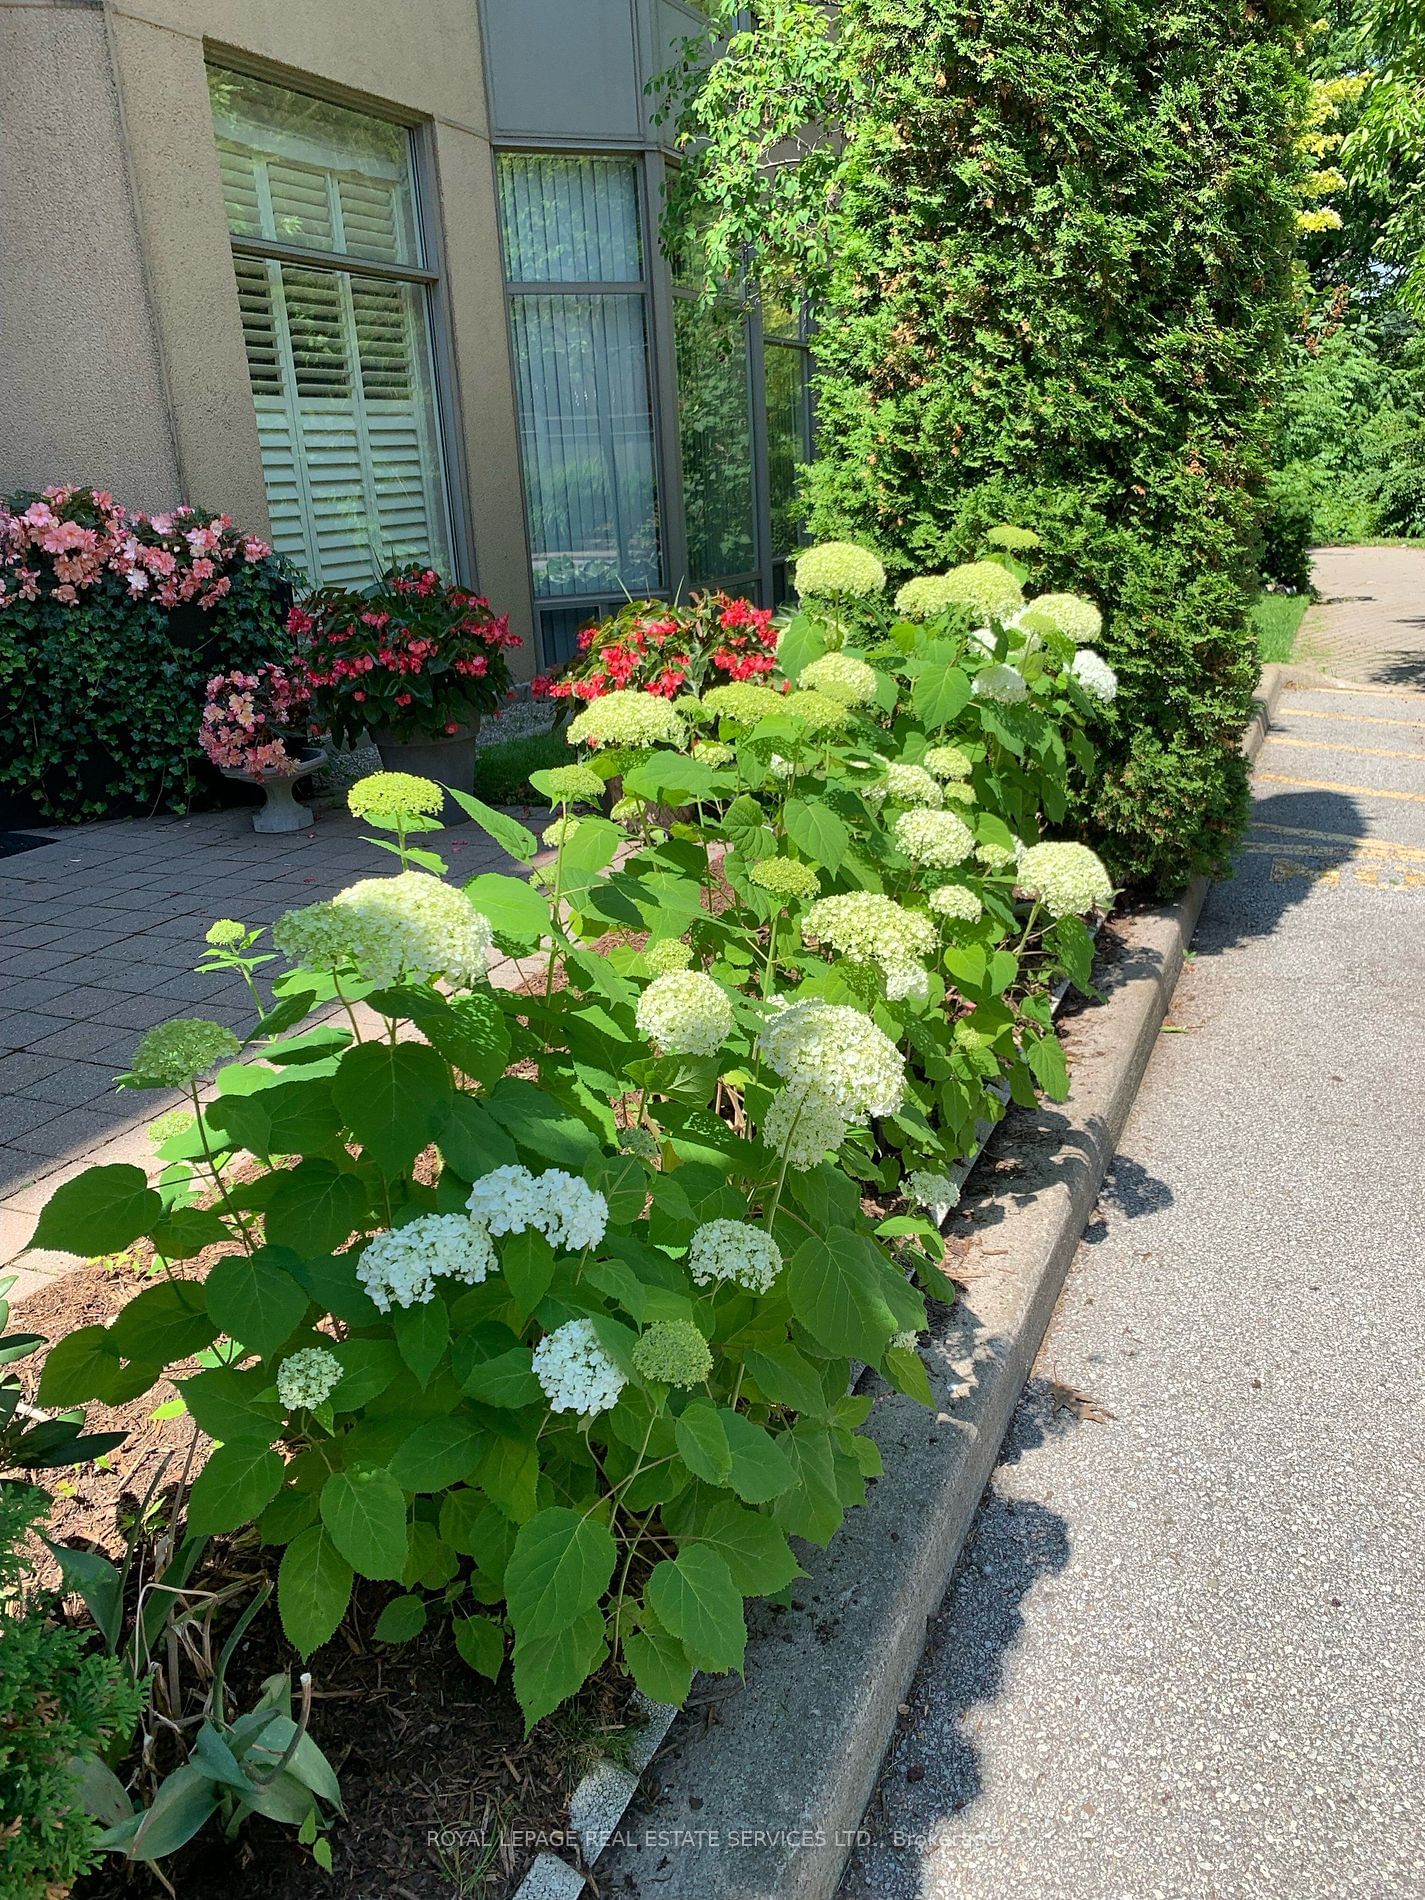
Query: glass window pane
[586, 435]
[788, 438]
[715, 427]
[298, 170]
[570, 220]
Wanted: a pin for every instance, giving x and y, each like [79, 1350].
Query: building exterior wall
[82, 394]
[124, 359]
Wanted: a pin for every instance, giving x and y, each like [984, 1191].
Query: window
[575, 265]
[715, 432]
[787, 377]
[334, 294]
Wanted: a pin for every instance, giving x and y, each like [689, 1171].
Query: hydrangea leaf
[658, 1662]
[527, 1266]
[760, 1471]
[837, 1292]
[314, 1207]
[561, 1565]
[481, 1643]
[403, 1618]
[755, 1551]
[511, 837]
[254, 1299]
[702, 1441]
[549, 1669]
[313, 1589]
[393, 1097]
[938, 693]
[100, 1211]
[226, 1404]
[694, 1597]
[422, 1335]
[505, 1380]
[237, 1483]
[290, 1118]
[164, 1323]
[80, 1367]
[365, 1512]
[439, 1453]
[815, 830]
[517, 912]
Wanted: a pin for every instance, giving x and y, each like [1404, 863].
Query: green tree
[1051, 248]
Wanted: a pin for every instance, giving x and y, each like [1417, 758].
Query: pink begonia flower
[161, 524]
[39, 514]
[138, 581]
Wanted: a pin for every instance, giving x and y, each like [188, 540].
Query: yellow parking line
[1362, 751]
[1378, 847]
[1355, 718]
[1328, 785]
[1344, 686]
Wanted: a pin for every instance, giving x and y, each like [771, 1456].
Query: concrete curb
[763, 1784]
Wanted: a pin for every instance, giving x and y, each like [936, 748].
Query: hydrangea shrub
[539, 1306]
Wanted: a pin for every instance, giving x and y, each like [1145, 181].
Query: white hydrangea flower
[401, 1266]
[948, 762]
[998, 857]
[903, 1342]
[780, 767]
[628, 719]
[743, 701]
[1068, 879]
[985, 587]
[1095, 675]
[417, 927]
[565, 1209]
[867, 927]
[685, 1013]
[909, 785]
[1074, 616]
[958, 901]
[838, 569]
[1005, 685]
[841, 676]
[839, 1053]
[907, 983]
[714, 752]
[940, 839]
[803, 1125]
[575, 1372]
[734, 1250]
[931, 1190]
[308, 1378]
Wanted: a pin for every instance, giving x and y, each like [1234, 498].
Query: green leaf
[289, 1118]
[225, 1404]
[812, 1508]
[561, 1565]
[313, 1589]
[78, 1368]
[254, 1299]
[439, 1453]
[163, 1323]
[658, 1662]
[507, 834]
[505, 1380]
[393, 1097]
[315, 1207]
[508, 1475]
[671, 779]
[1045, 1057]
[516, 910]
[694, 1597]
[481, 1643]
[549, 1669]
[540, 1125]
[803, 640]
[404, 1617]
[702, 1441]
[836, 1291]
[365, 1511]
[745, 827]
[184, 1800]
[527, 1263]
[472, 1141]
[817, 832]
[367, 1367]
[786, 1377]
[100, 1211]
[756, 1552]
[237, 1483]
[422, 1334]
[938, 693]
[760, 1470]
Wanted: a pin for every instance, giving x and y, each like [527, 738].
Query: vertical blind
[572, 238]
[340, 361]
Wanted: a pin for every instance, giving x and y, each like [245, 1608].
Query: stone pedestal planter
[448, 758]
[280, 810]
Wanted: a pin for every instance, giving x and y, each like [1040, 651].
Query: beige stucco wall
[421, 60]
[81, 377]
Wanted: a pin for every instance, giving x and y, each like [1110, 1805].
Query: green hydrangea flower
[226, 933]
[560, 832]
[948, 761]
[1070, 614]
[924, 596]
[562, 783]
[673, 1352]
[394, 795]
[318, 936]
[713, 752]
[990, 591]
[816, 712]
[174, 1055]
[841, 676]
[839, 570]
[628, 719]
[1068, 879]
[668, 954]
[1013, 540]
[743, 702]
[785, 877]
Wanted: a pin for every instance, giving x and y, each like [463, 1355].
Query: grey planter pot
[449, 759]
[280, 810]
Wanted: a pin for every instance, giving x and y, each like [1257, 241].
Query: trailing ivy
[1051, 255]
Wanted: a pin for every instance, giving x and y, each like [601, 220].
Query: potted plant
[657, 646]
[256, 728]
[415, 662]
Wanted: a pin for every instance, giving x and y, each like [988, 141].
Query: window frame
[428, 276]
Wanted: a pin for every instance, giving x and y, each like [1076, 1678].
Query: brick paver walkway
[99, 933]
[1369, 623]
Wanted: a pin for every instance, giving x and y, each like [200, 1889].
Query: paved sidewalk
[99, 933]
[1369, 622]
[1184, 1656]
